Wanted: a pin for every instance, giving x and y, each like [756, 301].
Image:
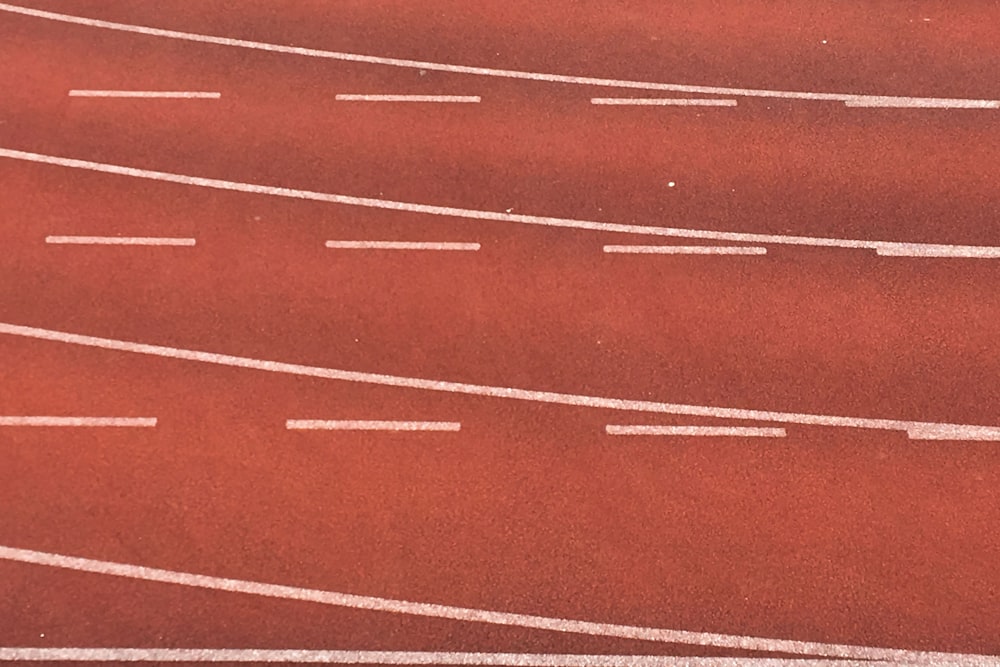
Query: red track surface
[830, 535]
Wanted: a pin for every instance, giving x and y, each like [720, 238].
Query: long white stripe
[147, 422]
[684, 250]
[401, 658]
[970, 433]
[470, 389]
[444, 67]
[706, 431]
[118, 240]
[919, 250]
[453, 99]
[368, 425]
[401, 245]
[372, 603]
[150, 94]
[472, 214]
[661, 102]
[879, 102]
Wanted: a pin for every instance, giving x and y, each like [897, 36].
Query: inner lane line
[661, 102]
[878, 102]
[683, 250]
[148, 94]
[119, 240]
[369, 425]
[456, 99]
[133, 422]
[401, 245]
[702, 431]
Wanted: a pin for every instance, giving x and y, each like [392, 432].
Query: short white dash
[453, 99]
[684, 250]
[877, 102]
[704, 431]
[147, 422]
[148, 94]
[662, 102]
[955, 432]
[938, 251]
[401, 245]
[368, 425]
[118, 240]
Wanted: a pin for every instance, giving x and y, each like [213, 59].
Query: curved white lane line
[486, 71]
[885, 247]
[482, 390]
[426, 609]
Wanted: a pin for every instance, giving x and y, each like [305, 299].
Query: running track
[513, 528]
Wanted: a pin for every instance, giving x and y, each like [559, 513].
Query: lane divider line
[446, 99]
[461, 69]
[701, 431]
[431, 610]
[684, 250]
[147, 94]
[118, 240]
[368, 425]
[661, 102]
[401, 245]
[530, 395]
[918, 103]
[938, 251]
[122, 422]
[958, 433]
[473, 214]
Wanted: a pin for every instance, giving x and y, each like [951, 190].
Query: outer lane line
[913, 103]
[459, 69]
[702, 431]
[958, 433]
[425, 609]
[146, 94]
[939, 251]
[140, 422]
[473, 214]
[661, 102]
[401, 245]
[118, 240]
[684, 250]
[488, 391]
[453, 99]
[368, 425]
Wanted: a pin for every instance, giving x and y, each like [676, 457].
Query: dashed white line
[368, 425]
[661, 102]
[531, 395]
[372, 603]
[878, 102]
[401, 245]
[959, 433]
[118, 240]
[148, 94]
[473, 214]
[445, 67]
[684, 250]
[701, 431]
[445, 99]
[133, 422]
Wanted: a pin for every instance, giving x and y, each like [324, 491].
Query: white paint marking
[661, 102]
[401, 245]
[700, 431]
[939, 251]
[432, 610]
[368, 425]
[472, 214]
[448, 99]
[148, 94]
[951, 432]
[880, 102]
[118, 240]
[331, 657]
[444, 67]
[684, 250]
[141, 422]
[551, 397]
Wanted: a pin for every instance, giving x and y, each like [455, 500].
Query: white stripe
[684, 250]
[118, 240]
[459, 99]
[707, 431]
[165, 94]
[402, 658]
[368, 425]
[147, 422]
[401, 245]
[425, 609]
[472, 214]
[470, 389]
[971, 433]
[879, 102]
[444, 67]
[661, 102]
[915, 250]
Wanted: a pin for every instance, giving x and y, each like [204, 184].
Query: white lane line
[401, 245]
[661, 102]
[118, 240]
[135, 422]
[448, 99]
[331, 657]
[444, 67]
[967, 433]
[939, 251]
[531, 395]
[473, 214]
[703, 431]
[879, 102]
[684, 250]
[368, 425]
[425, 609]
[147, 94]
